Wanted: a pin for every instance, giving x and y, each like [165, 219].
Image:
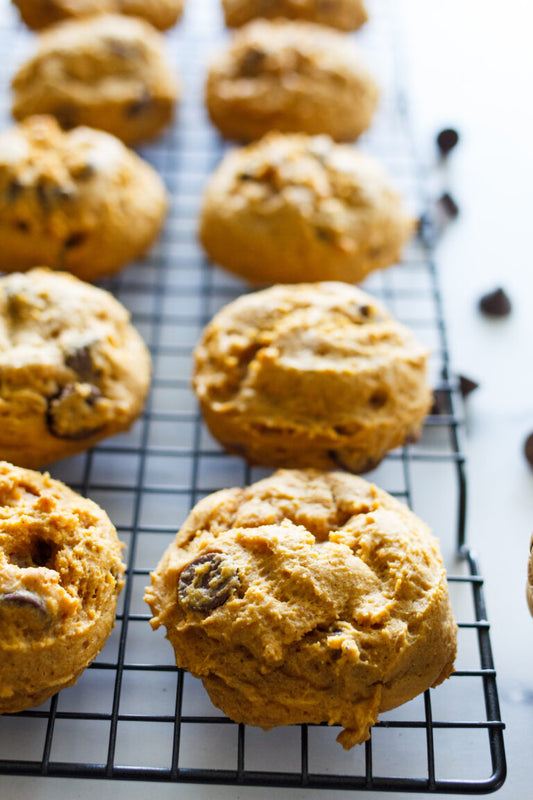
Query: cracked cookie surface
[324, 600]
[61, 571]
[37, 14]
[346, 15]
[293, 208]
[108, 72]
[73, 370]
[311, 375]
[79, 201]
[290, 76]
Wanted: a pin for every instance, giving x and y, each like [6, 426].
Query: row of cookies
[265, 350]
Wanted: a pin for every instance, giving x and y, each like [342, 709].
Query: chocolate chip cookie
[39, 14]
[60, 574]
[73, 369]
[107, 72]
[293, 208]
[78, 201]
[311, 375]
[347, 15]
[306, 597]
[290, 76]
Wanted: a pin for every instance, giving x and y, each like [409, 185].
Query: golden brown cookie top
[60, 558]
[343, 14]
[69, 348]
[108, 57]
[65, 188]
[338, 190]
[253, 349]
[38, 14]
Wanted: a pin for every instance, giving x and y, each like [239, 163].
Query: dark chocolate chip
[69, 404]
[207, 582]
[24, 598]
[337, 459]
[49, 194]
[365, 311]
[441, 402]
[447, 139]
[80, 360]
[467, 385]
[21, 225]
[449, 205]
[14, 190]
[140, 106]
[66, 115]
[245, 176]
[323, 234]
[528, 448]
[252, 62]
[75, 239]
[496, 303]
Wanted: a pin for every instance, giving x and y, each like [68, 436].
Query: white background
[470, 65]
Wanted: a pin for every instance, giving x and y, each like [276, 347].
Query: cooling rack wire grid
[133, 715]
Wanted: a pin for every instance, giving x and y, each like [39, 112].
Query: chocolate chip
[50, 194]
[495, 304]
[449, 205]
[338, 461]
[140, 106]
[447, 139]
[245, 176]
[252, 62]
[14, 190]
[528, 448]
[207, 582]
[365, 311]
[66, 115]
[467, 385]
[70, 410]
[80, 360]
[75, 239]
[323, 234]
[441, 402]
[24, 598]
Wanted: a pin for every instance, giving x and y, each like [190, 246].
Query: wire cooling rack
[133, 715]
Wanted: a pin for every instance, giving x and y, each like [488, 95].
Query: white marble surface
[470, 65]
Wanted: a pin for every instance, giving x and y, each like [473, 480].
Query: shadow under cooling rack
[133, 714]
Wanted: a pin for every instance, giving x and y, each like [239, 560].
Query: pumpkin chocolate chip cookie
[293, 208]
[106, 72]
[60, 574]
[306, 597]
[37, 14]
[290, 76]
[346, 15]
[73, 368]
[311, 375]
[78, 201]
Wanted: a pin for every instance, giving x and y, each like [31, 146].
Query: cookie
[73, 369]
[106, 72]
[79, 201]
[60, 574]
[311, 375]
[37, 14]
[306, 597]
[347, 15]
[293, 208]
[290, 76]
[529, 587]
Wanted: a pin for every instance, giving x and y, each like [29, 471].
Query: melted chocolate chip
[23, 598]
[252, 62]
[365, 311]
[495, 304]
[207, 582]
[528, 449]
[441, 402]
[80, 360]
[49, 194]
[67, 409]
[142, 105]
[337, 459]
[447, 139]
[66, 115]
[75, 240]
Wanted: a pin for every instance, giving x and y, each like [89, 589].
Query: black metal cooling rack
[133, 715]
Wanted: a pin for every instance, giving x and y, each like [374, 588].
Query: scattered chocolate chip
[323, 234]
[528, 449]
[80, 360]
[467, 385]
[140, 106]
[24, 598]
[252, 62]
[365, 311]
[449, 205]
[21, 226]
[338, 461]
[207, 582]
[441, 402]
[245, 176]
[50, 194]
[14, 190]
[67, 116]
[496, 303]
[447, 139]
[70, 410]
